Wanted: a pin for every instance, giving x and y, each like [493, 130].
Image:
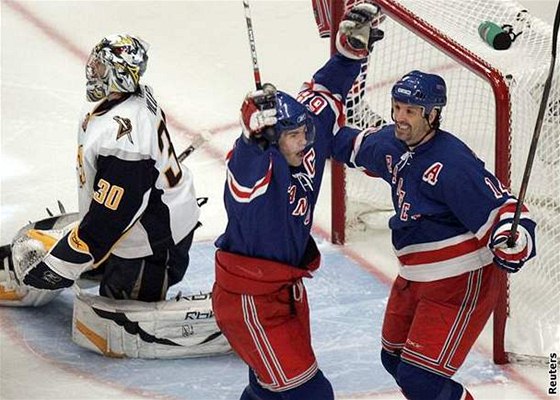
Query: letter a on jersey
[431, 174]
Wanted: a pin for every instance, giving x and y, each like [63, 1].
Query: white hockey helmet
[115, 64]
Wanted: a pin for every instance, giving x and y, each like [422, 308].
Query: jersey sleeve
[475, 196]
[248, 171]
[362, 149]
[122, 190]
[337, 76]
[325, 95]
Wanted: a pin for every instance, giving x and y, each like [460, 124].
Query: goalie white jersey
[134, 195]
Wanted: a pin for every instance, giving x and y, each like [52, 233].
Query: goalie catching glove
[511, 258]
[358, 30]
[67, 256]
[31, 245]
[258, 112]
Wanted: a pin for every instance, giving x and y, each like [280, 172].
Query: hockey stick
[252, 45]
[536, 133]
[269, 100]
[198, 141]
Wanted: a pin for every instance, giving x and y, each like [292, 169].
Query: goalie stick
[536, 133]
[198, 141]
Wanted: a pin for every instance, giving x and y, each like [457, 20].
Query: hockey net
[493, 102]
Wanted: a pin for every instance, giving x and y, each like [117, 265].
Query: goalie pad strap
[178, 328]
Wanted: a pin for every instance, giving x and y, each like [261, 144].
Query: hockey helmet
[115, 64]
[422, 89]
[291, 114]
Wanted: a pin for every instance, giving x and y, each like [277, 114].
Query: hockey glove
[258, 111]
[61, 266]
[358, 31]
[512, 258]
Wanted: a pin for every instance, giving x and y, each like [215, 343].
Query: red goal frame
[502, 165]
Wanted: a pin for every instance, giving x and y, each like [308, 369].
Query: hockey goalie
[137, 216]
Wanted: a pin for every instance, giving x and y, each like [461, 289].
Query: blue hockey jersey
[446, 203]
[270, 204]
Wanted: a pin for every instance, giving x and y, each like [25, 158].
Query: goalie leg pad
[178, 328]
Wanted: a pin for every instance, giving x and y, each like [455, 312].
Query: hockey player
[452, 220]
[274, 173]
[137, 216]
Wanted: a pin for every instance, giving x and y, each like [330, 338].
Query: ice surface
[200, 70]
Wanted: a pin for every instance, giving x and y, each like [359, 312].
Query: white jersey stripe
[447, 268]
[244, 194]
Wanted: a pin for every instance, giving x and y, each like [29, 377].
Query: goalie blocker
[180, 328]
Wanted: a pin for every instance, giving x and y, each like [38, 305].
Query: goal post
[338, 171]
[493, 102]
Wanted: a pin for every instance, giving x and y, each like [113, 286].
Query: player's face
[95, 70]
[410, 124]
[291, 145]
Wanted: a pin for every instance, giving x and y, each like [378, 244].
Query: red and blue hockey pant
[430, 327]
[261, 307]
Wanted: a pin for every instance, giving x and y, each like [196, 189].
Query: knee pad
[317, 387]
[390, 362]
[420, 384]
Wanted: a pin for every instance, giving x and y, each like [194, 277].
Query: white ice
[200, 69]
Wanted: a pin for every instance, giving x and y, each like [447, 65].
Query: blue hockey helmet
[291, 114]
[422, 89]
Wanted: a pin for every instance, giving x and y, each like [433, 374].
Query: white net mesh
[471, 115]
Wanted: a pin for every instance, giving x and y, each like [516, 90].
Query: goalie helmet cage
[493, 102]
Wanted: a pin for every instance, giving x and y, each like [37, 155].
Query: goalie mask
[291, 115]
[421, 89]
[115, 64]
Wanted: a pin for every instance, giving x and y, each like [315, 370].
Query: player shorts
[261, 307]
[434, 324]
